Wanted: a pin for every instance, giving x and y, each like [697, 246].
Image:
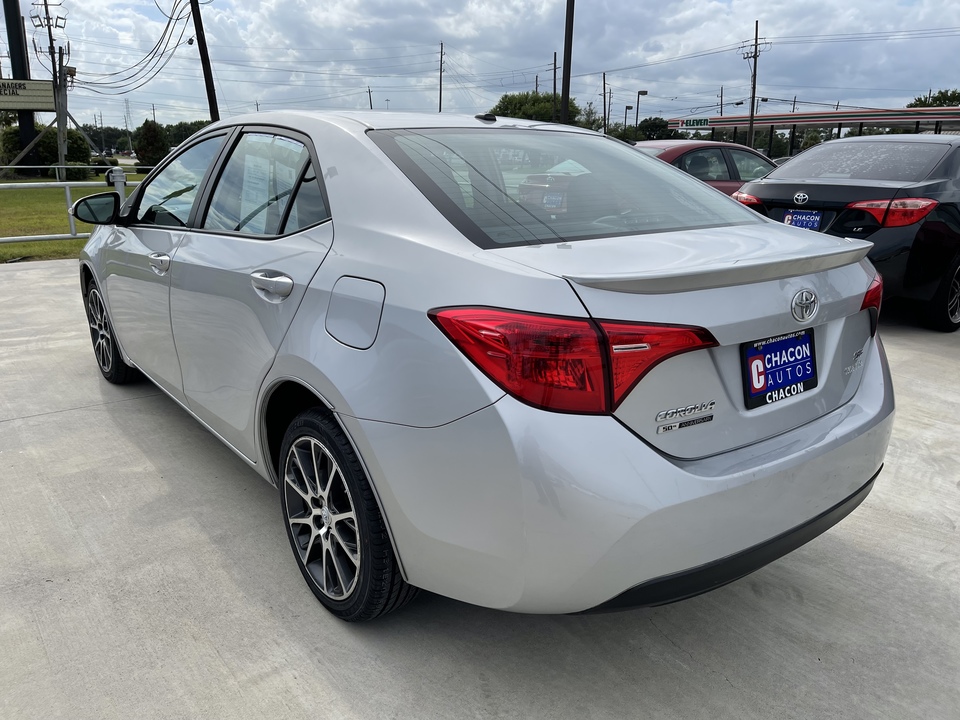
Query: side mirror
[99, 209]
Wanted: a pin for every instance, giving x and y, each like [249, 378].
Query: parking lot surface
[145, 573]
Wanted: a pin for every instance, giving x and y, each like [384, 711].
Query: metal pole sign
[26, 95]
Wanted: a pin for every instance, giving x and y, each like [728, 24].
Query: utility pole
[554, 118]
[536, 84]
[754, 55]
[440, 99]
[370, 96]
[60, 90]
[205, 61]
[567, 59]
[603, 100]
[154, 108]
[721, 101]
[103, 143]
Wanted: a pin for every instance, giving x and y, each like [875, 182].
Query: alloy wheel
[100, 330]
[322, 517]
[953, 298]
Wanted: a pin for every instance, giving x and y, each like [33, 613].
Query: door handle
[280, 285]
[159, 263]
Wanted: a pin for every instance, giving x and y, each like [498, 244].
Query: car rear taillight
[871, 302]
[636, 349]
[564, 364]
[747, 199]
[896, 213]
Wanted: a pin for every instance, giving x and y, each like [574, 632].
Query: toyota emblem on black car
[801, 198]
[804, 305]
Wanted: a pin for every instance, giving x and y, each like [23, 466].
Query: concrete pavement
[145, 573]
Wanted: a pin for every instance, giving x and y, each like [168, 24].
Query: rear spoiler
[729, 273]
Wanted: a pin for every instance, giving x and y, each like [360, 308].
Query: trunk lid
[829, 197]
[739, 284]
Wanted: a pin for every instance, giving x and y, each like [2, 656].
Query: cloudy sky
[316, 54]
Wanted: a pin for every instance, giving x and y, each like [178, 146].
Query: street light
[387, 101]
[628, 107]
[636, 120]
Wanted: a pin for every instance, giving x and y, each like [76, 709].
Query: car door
[237, 279]
[137, 261]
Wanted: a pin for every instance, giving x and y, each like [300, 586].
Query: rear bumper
[696, 581]
[520, 509]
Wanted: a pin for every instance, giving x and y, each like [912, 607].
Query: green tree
[150, 143]
[533, 106]
[180, 131]
[77, 149]
[940, 98]
[656, 128]
[590, 118]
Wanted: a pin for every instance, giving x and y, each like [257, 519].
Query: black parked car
[900, 192]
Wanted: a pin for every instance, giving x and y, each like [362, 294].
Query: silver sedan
[518, 364]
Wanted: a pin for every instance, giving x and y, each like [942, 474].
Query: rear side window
[256, 186]
[895, 161]
[707, 164]
[510, 186]
[308, 207]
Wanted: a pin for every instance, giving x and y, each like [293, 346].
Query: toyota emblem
[805, 305]
[801, 198]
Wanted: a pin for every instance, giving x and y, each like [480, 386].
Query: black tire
[354, 572]
[943, 311]
[109, 359]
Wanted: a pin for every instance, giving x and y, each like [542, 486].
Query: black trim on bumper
[698, 580]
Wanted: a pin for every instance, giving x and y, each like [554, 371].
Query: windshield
[896, 161]
[503, 187]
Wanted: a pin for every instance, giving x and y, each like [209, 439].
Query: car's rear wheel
[105, 349]
[943, 311]
[335, 528]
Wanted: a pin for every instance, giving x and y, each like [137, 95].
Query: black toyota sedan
[900, 192]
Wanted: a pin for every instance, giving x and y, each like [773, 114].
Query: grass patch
[42, 211]
[46, 250]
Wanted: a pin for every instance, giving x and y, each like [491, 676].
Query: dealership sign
[694, 122]
[26, 95]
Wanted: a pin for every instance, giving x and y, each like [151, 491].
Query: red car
[725, 166]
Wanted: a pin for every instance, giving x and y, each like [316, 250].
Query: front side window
[257, 183]
[169, 197]
[510, 186]
[749, 166]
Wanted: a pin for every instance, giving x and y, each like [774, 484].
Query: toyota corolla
[457, 387]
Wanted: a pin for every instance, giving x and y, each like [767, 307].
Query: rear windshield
[508, 186]
[896, 161]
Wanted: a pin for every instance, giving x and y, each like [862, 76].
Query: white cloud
[325, 55]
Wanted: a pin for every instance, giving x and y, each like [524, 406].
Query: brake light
[746, 199]
[871, 302]
[564, 364]
[896, 213]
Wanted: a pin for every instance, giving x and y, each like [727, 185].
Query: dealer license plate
[552, 201]
[778, 368]
[808, 219]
